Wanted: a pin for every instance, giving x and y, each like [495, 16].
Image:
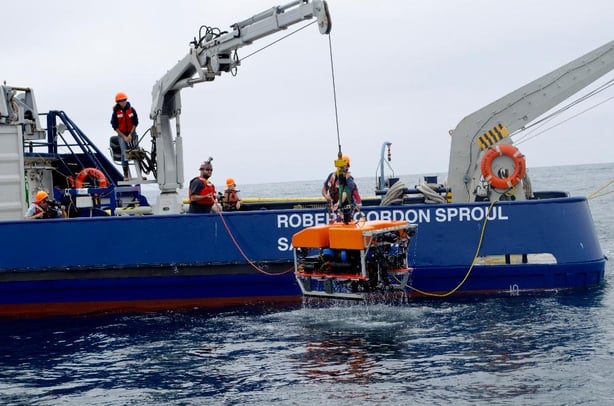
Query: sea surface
[547, 349]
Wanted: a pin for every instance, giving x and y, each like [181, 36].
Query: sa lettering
[283, 244]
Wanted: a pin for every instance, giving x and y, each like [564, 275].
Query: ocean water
[547, 349]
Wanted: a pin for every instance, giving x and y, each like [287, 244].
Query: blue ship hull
[83, 265]
[116, 252]
[98, 262]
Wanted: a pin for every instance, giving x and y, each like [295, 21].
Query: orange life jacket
[230, 199]
[208, 188]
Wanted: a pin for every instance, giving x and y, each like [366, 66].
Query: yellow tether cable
[600, 192]
[475, 257]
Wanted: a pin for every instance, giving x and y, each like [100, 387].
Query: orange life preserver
[519, 166]
[93, 172]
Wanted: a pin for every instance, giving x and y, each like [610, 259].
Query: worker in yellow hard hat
[42, 208]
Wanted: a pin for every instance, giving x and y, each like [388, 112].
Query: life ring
[519, 166]
[93, 172]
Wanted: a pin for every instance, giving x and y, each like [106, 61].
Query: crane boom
[515, 110]
[208, 58]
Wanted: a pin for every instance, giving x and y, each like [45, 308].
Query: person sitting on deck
[124, 121]
[231, 200]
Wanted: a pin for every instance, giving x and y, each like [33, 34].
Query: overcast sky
[405, 72]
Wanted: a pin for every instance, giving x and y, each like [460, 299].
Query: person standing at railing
[202, 194]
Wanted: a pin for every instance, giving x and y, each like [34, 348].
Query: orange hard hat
[346, 158]
[121, 96]
[230, 182]
[41, 195]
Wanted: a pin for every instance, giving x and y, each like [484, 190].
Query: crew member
[42, 208]
[330, 189]
[342, 180]
[124, 121]
[340, 190]
[202, 195]
[231, 200]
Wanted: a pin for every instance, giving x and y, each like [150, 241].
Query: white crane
[208, 57]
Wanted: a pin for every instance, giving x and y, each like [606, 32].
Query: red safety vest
[208, 188]
[124, 120]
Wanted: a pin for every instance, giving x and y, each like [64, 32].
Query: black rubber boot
[126, 173]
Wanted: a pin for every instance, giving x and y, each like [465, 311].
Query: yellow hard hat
[230, 181]
[121, 96]
[41, 195]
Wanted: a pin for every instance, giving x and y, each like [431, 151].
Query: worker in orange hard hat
[330, 189]
[42, 208]
[41, 195]
[231, 200]
[124, 121]
[340, 190]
